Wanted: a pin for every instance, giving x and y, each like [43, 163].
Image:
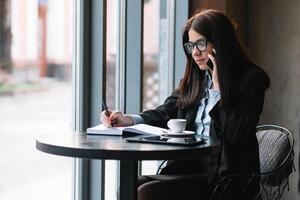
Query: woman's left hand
[214, 71]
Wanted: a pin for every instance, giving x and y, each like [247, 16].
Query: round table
[80, 145]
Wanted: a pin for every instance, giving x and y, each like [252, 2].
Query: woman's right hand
[214, 72]
[116, 118]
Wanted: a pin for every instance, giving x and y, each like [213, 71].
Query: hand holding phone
[214, 69]
[209, 62]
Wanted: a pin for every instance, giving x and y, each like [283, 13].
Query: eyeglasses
[200, 44]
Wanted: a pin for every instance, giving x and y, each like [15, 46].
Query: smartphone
[209, 62]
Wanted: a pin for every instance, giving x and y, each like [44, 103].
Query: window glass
[111, 49]
[151, 54]
[35, 96]
[156, 56]
[151, 66]
[111, 54]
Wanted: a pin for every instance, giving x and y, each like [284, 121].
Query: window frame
[89, 90]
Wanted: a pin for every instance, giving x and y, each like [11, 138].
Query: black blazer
[234, 125]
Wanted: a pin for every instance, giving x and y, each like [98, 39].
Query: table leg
[128, 180]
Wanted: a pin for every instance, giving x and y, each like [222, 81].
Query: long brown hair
[230, 58]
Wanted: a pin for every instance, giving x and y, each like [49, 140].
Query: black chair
[276, 164]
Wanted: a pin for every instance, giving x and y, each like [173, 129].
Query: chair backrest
[276, 154]
[276, 164]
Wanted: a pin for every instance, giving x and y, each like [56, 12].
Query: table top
[80, 145]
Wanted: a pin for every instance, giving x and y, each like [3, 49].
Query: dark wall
[274, 43]
[195, 5]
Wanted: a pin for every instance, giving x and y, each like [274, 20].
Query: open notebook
[128, 130]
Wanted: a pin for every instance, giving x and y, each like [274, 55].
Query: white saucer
[184, 133]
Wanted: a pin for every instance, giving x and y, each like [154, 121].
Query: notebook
[126, 131]
[184, 141]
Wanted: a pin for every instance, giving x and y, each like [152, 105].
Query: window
[111, 90]
[158, 40]
[151, 54]
[35, 96]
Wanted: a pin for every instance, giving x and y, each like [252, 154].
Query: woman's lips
[200, 60]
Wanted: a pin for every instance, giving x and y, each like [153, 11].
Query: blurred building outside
[36, 48]
[36, 41]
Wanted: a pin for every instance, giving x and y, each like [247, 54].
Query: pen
[104, 107]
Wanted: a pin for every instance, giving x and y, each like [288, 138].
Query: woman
[222, 99]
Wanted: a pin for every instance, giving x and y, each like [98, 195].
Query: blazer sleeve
[160, 115]
[236, 124]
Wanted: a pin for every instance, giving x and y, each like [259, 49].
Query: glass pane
[151, 66]
[156, 60]
[151, 54]
[35, 96]
[111, 49]
[158, 51]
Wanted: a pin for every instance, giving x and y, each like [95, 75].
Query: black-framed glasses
[200, 44]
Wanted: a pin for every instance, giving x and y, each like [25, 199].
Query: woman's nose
[196, 51]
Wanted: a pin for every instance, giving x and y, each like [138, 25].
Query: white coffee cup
[177, 125]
